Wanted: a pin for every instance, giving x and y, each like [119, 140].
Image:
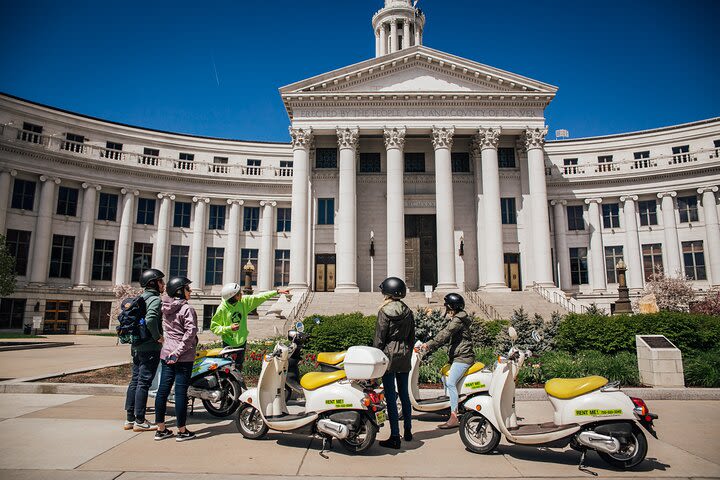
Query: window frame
[695, 270]
[326, 162]
[579, 275]
[146, 259]
[103, 259]
[573, 227]
[251, 219]
[107, 208]
[611, 252]
[284, 221]
[179, 255]
[67, 201]
[62, 251]
[611, 215]
[460, 162]
[654, 257]
[503, 161]
[251, 254]
[14, 246]
[326, 211]
[186, 213]
[370, 162]
[412, 162]
[647, 217]
[25, 198]
[688, 209]
[508, 211]
[281, 268]
[147, 202]
[214, 265]
[216, 217]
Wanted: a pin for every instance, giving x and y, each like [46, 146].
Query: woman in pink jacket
[177, 356]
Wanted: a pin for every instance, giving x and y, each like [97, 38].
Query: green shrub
[485, 333]
[428, 322]
[703, 369]
[339, 332]
[431, 365]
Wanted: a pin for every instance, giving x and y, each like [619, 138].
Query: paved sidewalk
[80, 437]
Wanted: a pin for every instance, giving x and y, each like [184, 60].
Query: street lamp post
[248, 269]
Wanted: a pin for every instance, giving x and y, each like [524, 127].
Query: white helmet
[229, 290]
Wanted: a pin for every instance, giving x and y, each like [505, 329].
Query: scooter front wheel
[250, 423]
[478, 434]
[361, 440]
[631, 453]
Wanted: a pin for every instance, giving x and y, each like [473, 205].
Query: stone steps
[506, 302]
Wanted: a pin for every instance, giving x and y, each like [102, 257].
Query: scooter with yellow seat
[589, 414]
[344, 404]
[215, 381]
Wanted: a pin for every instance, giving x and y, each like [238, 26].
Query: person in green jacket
[230, 319]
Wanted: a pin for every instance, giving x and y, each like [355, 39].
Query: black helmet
[149, 275]
[454, 302]
[393, 287]
[176, 286]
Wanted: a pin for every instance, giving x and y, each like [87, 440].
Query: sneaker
[186, 435]
[163, 434]
[129, 424]
[143, 427]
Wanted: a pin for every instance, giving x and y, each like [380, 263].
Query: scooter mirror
[316, 320]
[512, 333]
[536, 336]
[300, 327]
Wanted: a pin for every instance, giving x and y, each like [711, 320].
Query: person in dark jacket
[146, 355]
[395, 336]
[177, 356]
[462, 355]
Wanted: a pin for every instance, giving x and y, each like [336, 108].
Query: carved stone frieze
[442, 137]
[348, 137]
[394, 137]
[535, 137]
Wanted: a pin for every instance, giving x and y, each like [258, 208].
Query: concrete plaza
[80, 437]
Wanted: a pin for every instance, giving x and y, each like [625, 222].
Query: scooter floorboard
[430, 401]
[540, 428]
[288, 417]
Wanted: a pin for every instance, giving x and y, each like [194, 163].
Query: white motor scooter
[343, 404]
[590, 414]
[476, 380]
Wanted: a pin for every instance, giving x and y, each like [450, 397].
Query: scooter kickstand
[582, 466]
[326, 445]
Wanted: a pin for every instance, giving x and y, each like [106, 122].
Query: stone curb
[60, 374]
[35, 345]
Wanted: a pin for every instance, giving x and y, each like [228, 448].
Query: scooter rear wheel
[631, 453]
[250, 423]
[478, 434]
[228, 402]
[362, 440]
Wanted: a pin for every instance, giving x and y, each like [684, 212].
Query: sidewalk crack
[302, 460]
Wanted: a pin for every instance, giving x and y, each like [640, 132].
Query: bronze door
[99, 315]
[57, 317]
[324, 273]
[421, 230]
[412, 263]
[512, 271]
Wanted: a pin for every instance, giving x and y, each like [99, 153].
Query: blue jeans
[457, 370]
[144, 366]
[391, 398]
[179, 374]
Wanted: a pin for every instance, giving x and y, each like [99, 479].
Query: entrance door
[99, 315]
[57, 316]
[325, 272]
[512, 271]
[421, 256]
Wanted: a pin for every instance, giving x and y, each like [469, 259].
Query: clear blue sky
[620, 65]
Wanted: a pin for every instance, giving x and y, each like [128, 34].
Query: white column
[301, 140]
[632, 254]
[124, 248]
[597, 255]
[5, 182]
[712, 233]
[492, 233]
[475, 145]
[383, 39]
[417, 34]
[542, 259]
[162, 241]
[265, 255]
[673, 265]
[197, 254]
[346, 247]
[394, 144]
[377, 43]
[87, 232]
[43, 231]
[393, 36]
[232, 257]
[561, 247]
[406, 34]
[442, 140]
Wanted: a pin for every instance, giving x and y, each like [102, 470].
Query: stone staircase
[367, 303]
[264, 324]
[506, 302]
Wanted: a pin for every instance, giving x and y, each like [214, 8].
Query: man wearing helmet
[230, 319]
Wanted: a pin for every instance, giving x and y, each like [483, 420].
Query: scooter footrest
[540, 428]
[287, 417]
[430, 401]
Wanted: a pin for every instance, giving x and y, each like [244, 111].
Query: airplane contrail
[217, 79]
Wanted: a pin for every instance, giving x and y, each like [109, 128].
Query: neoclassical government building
[415, 163]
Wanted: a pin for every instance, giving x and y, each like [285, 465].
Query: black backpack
[131, 326]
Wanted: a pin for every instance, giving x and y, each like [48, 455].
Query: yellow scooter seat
[331, 358]
[213, 352]
[573, 387]
[313, 380]
[475, 367]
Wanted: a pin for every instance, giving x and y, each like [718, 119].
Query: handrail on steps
[558, 297]
[487, 309]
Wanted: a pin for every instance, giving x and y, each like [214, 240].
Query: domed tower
[397, 26]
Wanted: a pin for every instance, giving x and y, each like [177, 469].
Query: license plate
[380, 417]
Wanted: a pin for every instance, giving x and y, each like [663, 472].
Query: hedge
[339, 332]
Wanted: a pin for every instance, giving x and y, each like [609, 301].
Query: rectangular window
[460, 162]
[253, 167]
[67, 201]
[186, 161]
[251, 219]
[283, 219]
[648, 212]
[282, 268]
[575, 217]
[73, 143]
[605, 163]
[326, 157]
[12, 313]
[642, 159]
[220, 165]
[61, 256]
[578, 266]
[103, 256]
[694, 259]
[30, 133]
[506, 157]
[570, 166]
[146, 211]
[611, 215]
[179, 260]
[508, 211]
[326, 211]
[680, 154]
[369, 162]
[414, 162]
[220, 160]
[182, 214]
[150, 156]
[23, 196]
[688, 208]
[142, 259]
[217, 217]
[214, 266]
[286, 164]
[612, 256]
[652, 259]
[18, 244]
[107, 207]
[112, 150]
[208, 312]
[250, 255]
[717, 148]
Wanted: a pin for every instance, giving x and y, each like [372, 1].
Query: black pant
[178, 373]
[143, 372]
[240, 358]
[391, 397]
